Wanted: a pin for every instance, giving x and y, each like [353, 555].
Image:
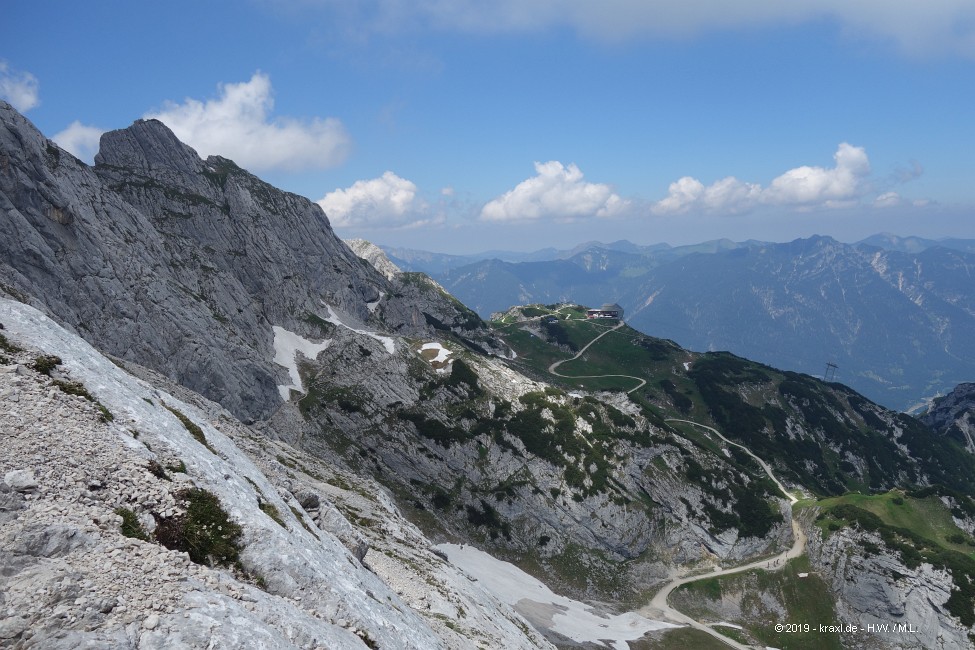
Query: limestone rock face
[877, 588]
[954, 415]
[75, 571]
[176, 263]
[375, 256]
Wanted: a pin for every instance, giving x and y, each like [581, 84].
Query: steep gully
[658, 606]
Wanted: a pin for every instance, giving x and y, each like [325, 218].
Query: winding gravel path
[552, 368]
[659, 608]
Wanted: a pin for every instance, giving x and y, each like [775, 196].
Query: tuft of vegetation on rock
[77, 388]
[46, 363]
[271, 511]
[7, 346]
[192, 427]
[205, 531]
[130, 525]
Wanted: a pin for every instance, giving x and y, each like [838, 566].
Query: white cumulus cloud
[21, 89]
[557, 192]
[80, 139]
[387, 201]
[238, 125]
[802, 187]
[809, 185]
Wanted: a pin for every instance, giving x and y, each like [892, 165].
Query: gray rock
[21, 480]
[55, 540]
[11, 628]
[308, 499]
[180, 264]
[332, 521]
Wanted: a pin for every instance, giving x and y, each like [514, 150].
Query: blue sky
[467, 125]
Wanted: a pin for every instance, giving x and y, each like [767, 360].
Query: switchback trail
[551, 368]
[659, 608]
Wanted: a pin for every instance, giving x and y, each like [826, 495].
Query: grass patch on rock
[130, 525]
[192, 427]
[205, 531]
[77, 388]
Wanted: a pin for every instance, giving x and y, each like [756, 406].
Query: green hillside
[823, 437]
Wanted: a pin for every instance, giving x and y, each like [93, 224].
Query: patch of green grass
[924, 541]
[806, 600]
[271, 511]
[130, 525]
[192, 427]
[205, 531]
[179, 467]
[287, 462]
[300, 518]
[46, 363]
[77, 388]
[927, 517]
[7, 346]
[681, 638]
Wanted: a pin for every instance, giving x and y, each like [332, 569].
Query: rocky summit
[222, 427]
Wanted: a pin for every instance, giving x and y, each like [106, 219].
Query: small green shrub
[77, 388]
[205, 532]
[157, 470]
[45, 363]
[74, 388]
[301, 520]
[179, 467]
[7, 346]
[130, 525]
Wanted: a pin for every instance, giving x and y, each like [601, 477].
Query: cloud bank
[21, 89]
[933, 26]
[237, 125]
[803, 187]
[556, 192]
[385, 202]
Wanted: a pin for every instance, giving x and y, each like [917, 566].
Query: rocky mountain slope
[954, 415]
[181, 264]
[133, 517]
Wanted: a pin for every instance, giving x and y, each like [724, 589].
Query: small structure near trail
[606, 311]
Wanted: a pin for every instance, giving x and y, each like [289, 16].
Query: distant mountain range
[896, 315]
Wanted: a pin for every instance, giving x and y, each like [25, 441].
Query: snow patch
[371, 306]
[287, 345]
[333, 318]
[442, 353]
[532, 599]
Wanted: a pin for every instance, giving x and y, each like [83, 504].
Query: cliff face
[905, 605]
[180, 264]
[954, 415]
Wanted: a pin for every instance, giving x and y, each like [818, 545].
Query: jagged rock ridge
[180, 264]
